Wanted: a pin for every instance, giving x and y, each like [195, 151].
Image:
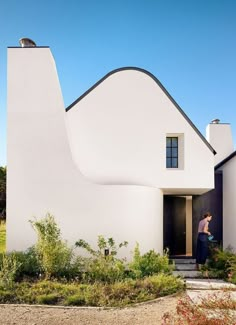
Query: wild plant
[53, 253]
[103, 265]
[148, 264]
[8, 270]
[203, 313]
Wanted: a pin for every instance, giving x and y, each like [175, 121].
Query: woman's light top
[202, 225]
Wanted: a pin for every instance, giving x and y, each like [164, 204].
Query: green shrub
[101, 267]
[29, 264]
[148, 264]
[164, 284]
[222, 264]
[53, 254]
[232, 269]
[8, 270]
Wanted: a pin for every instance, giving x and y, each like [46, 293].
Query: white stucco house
[123, 160]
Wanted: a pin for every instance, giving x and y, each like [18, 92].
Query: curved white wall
[118, 131]
[42, 176]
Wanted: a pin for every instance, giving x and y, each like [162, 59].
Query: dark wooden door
[175, 224]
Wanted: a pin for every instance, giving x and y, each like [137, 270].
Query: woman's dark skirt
[202, 248]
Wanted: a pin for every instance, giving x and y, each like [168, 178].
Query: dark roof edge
[159, 84]
[224, 161]
[27, 47]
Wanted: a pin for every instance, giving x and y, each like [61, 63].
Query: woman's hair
[207, 214]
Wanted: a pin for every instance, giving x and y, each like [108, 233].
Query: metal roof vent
[26, 42]
[215, 121]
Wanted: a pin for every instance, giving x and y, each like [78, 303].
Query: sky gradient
[189, 45]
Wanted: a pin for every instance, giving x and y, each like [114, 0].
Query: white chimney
[219, 135]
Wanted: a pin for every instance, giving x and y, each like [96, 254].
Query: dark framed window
[171, 152]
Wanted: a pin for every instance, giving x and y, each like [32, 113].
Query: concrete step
[188, 274]
[209, 284]
[185, 267]
[183, 260]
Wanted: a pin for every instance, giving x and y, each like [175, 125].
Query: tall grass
[2, 237]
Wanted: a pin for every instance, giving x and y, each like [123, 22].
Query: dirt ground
[143, 314]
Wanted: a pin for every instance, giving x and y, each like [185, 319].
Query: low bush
[148, 264]
[232, 269]
[101, 266]
[216, 301]
[29, 264]
[212, 310]
[222, 264]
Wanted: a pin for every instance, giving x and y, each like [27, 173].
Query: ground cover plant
[51, 273]
[2, 236]
[115, 294]
[212, 310]
[222, 264]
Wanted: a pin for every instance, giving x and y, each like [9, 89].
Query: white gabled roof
[159, 84]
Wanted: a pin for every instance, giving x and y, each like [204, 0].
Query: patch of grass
[2, 237]
[76, 300]
[49, 299]
[6, 296]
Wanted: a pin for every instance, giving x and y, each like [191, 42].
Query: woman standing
[202, 239]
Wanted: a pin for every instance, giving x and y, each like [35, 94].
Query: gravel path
[143, 314]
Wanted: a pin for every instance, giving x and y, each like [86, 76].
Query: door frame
[168, 229]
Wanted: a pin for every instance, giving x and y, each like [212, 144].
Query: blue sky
[189, 45]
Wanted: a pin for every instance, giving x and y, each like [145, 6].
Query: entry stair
[186, 268]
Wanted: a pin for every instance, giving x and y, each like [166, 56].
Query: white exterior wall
[42, 176]
[219, 135]
[229, 203]
[118, 136]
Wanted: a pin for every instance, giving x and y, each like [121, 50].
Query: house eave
[224, 161]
